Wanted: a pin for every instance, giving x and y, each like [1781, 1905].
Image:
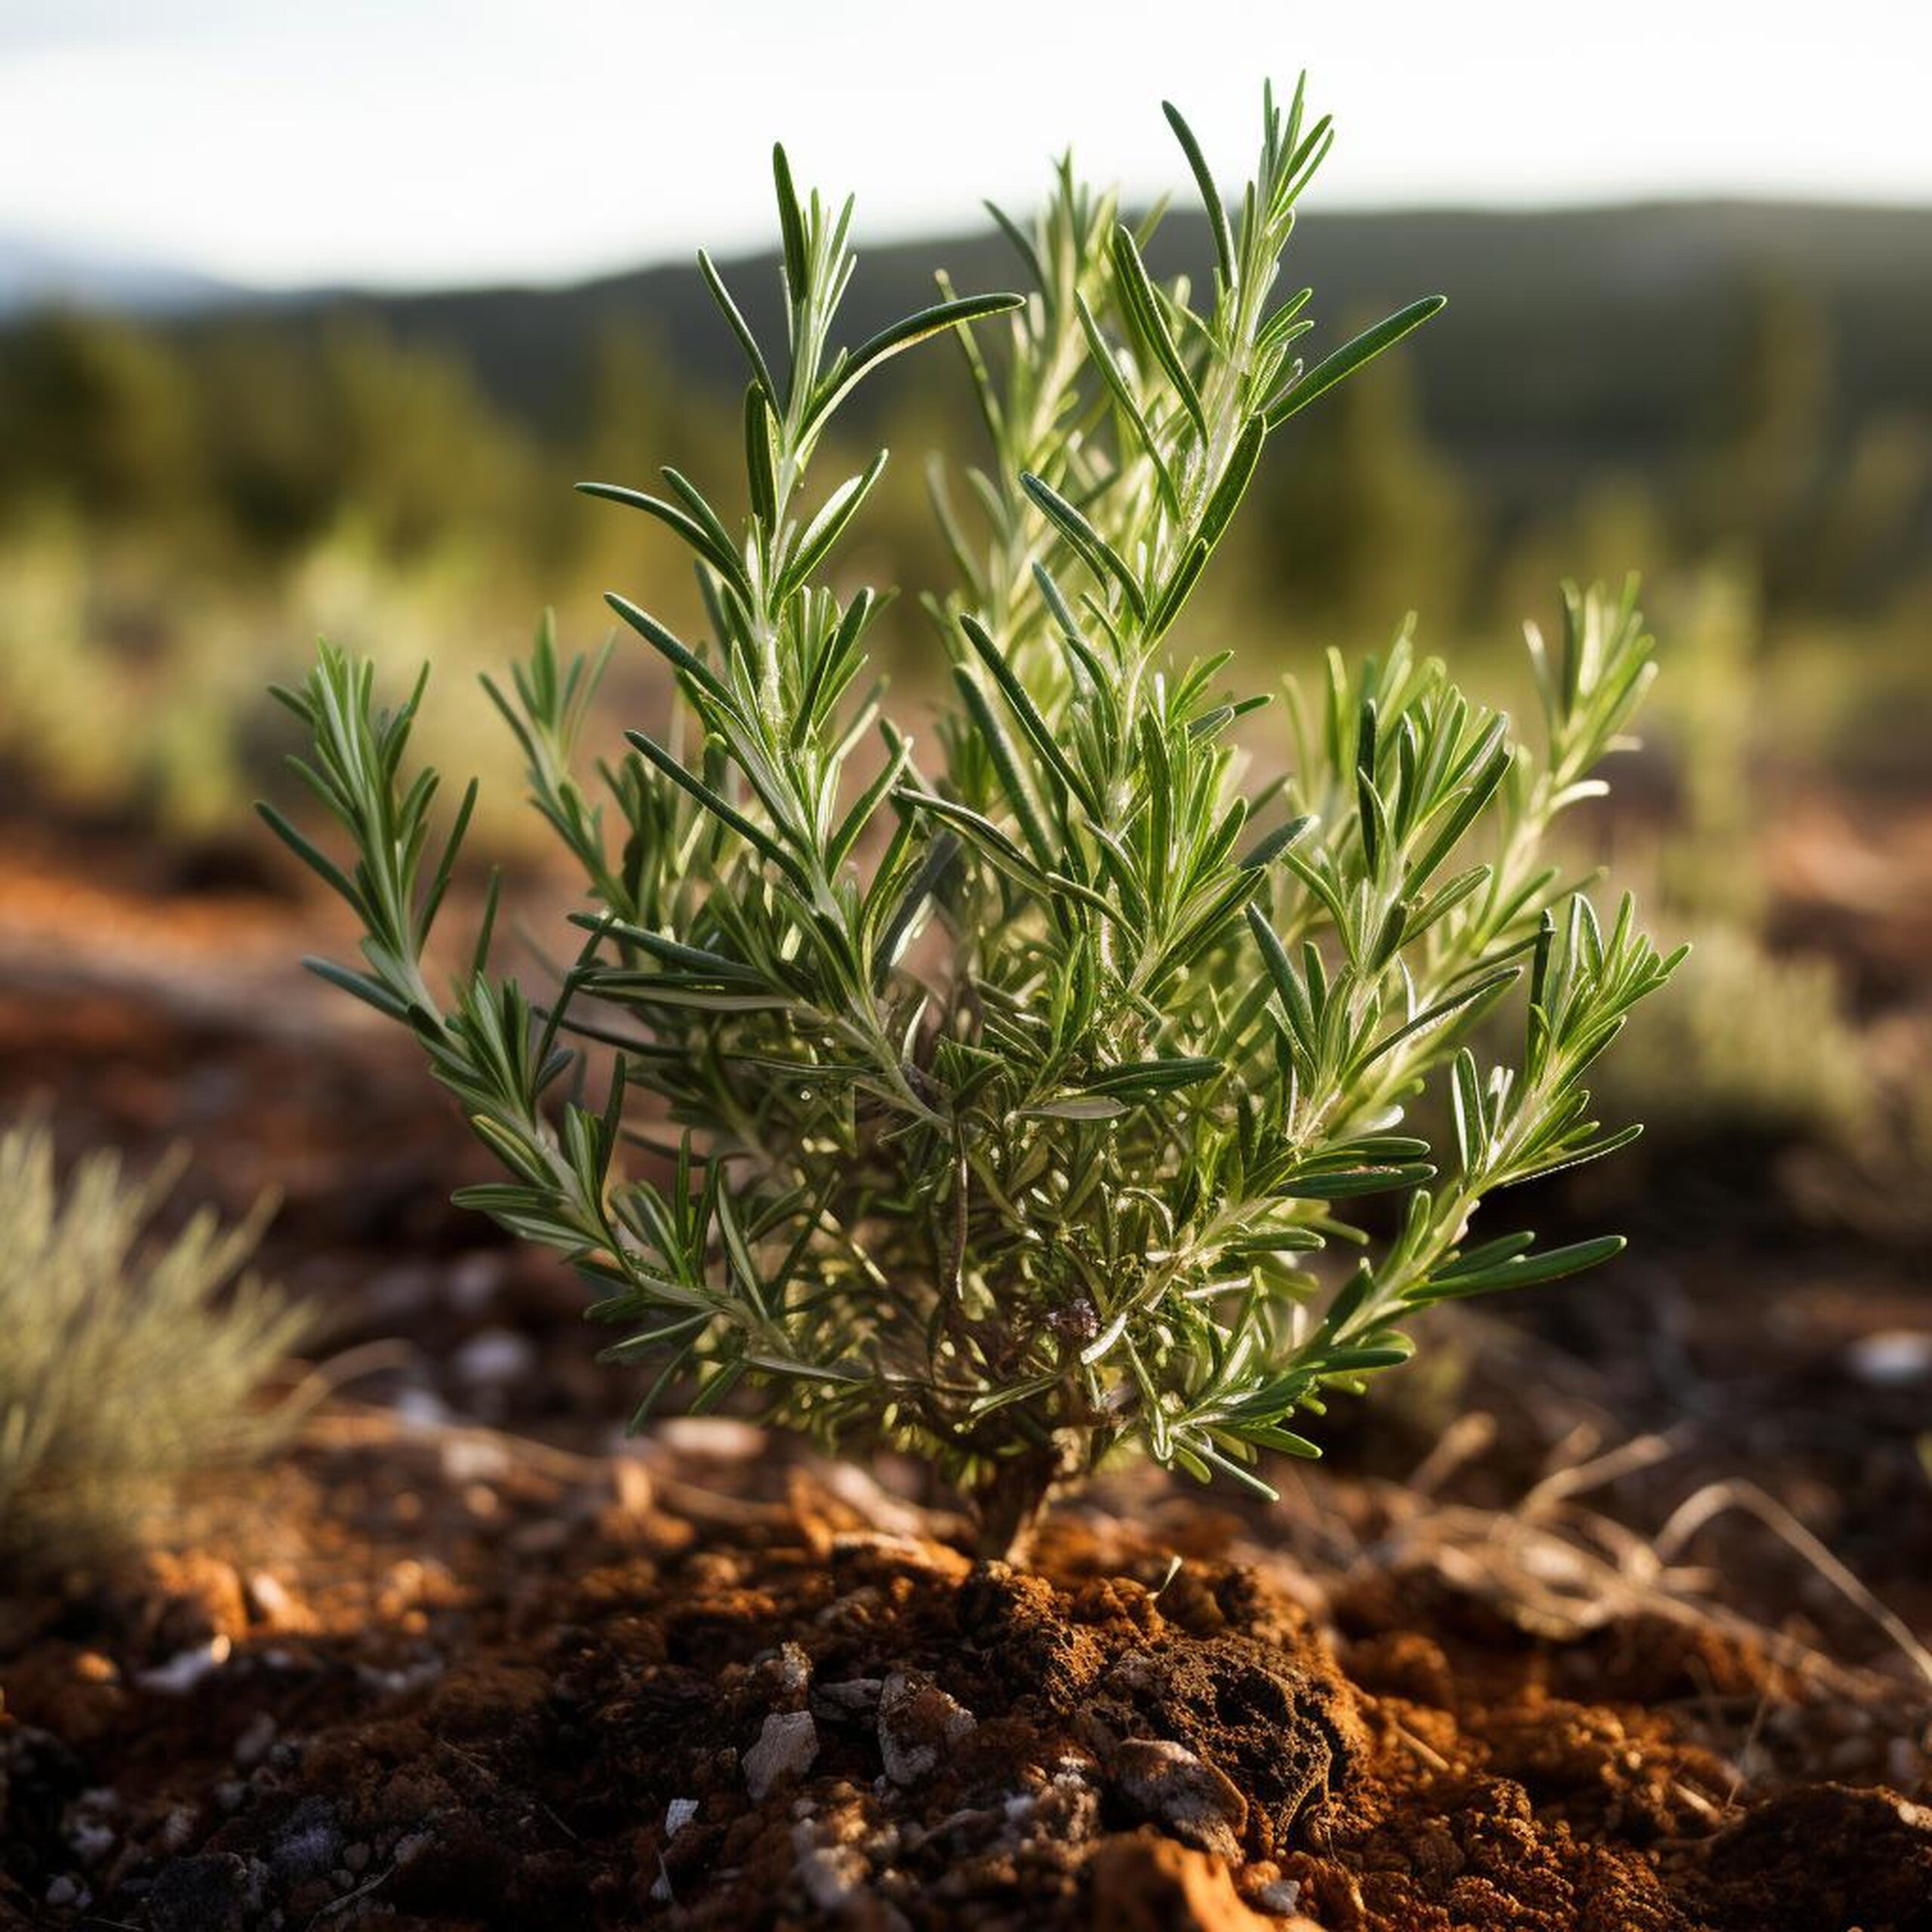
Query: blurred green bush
[184, 505]
[129, 1363]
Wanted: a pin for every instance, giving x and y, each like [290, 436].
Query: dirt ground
[1606, 1615]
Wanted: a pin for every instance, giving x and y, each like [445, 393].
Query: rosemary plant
[1008, 1104]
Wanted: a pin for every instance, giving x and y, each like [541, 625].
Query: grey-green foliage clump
[1013, 1097]
[129, 1363]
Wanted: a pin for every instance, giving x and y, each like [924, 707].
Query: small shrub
[127, 1365]
[1006, 1098]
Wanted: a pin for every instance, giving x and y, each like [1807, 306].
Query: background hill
[34, 273]
[1613, 332]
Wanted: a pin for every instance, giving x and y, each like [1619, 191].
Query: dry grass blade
[1560, 1570]
[1695, 1511]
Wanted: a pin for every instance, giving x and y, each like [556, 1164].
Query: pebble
[832, 1875]
[1168, 1784]
[918, 1724]
[252, 1746]
[308, 1843]
[473, 1281]
[677, 1814]
[1890, 1358]
[1281, 1896]
[210, 1892]
[186, 1668]
[411, 1847]
[64, 1890]
[786, 1747]
[857, 1696]
[400, 1683]
[268, 1597]
[493, 1356]
[90, 1839]
[795, 1670]
[422, 1406]
[271, 1601]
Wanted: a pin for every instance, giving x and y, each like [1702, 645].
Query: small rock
[1188, 1798]
[186, 1668]
[208, 1892]
[677, 1814]
[64, 1890]
[277, 1606]
[402, 1682]
[854, 1696]
[493, 1356]
[832, 1875]
[252, 1746]
[89, 1837]
[355, 1857]
[1280, 1895]
[918, 1725]
[1890, 1357]
[473, 1281]
[786, 1747]
[422, 1408]
[795, 1670]
[308, 1844]
[782, 1678]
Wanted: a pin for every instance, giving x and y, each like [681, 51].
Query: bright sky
[430, 141]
